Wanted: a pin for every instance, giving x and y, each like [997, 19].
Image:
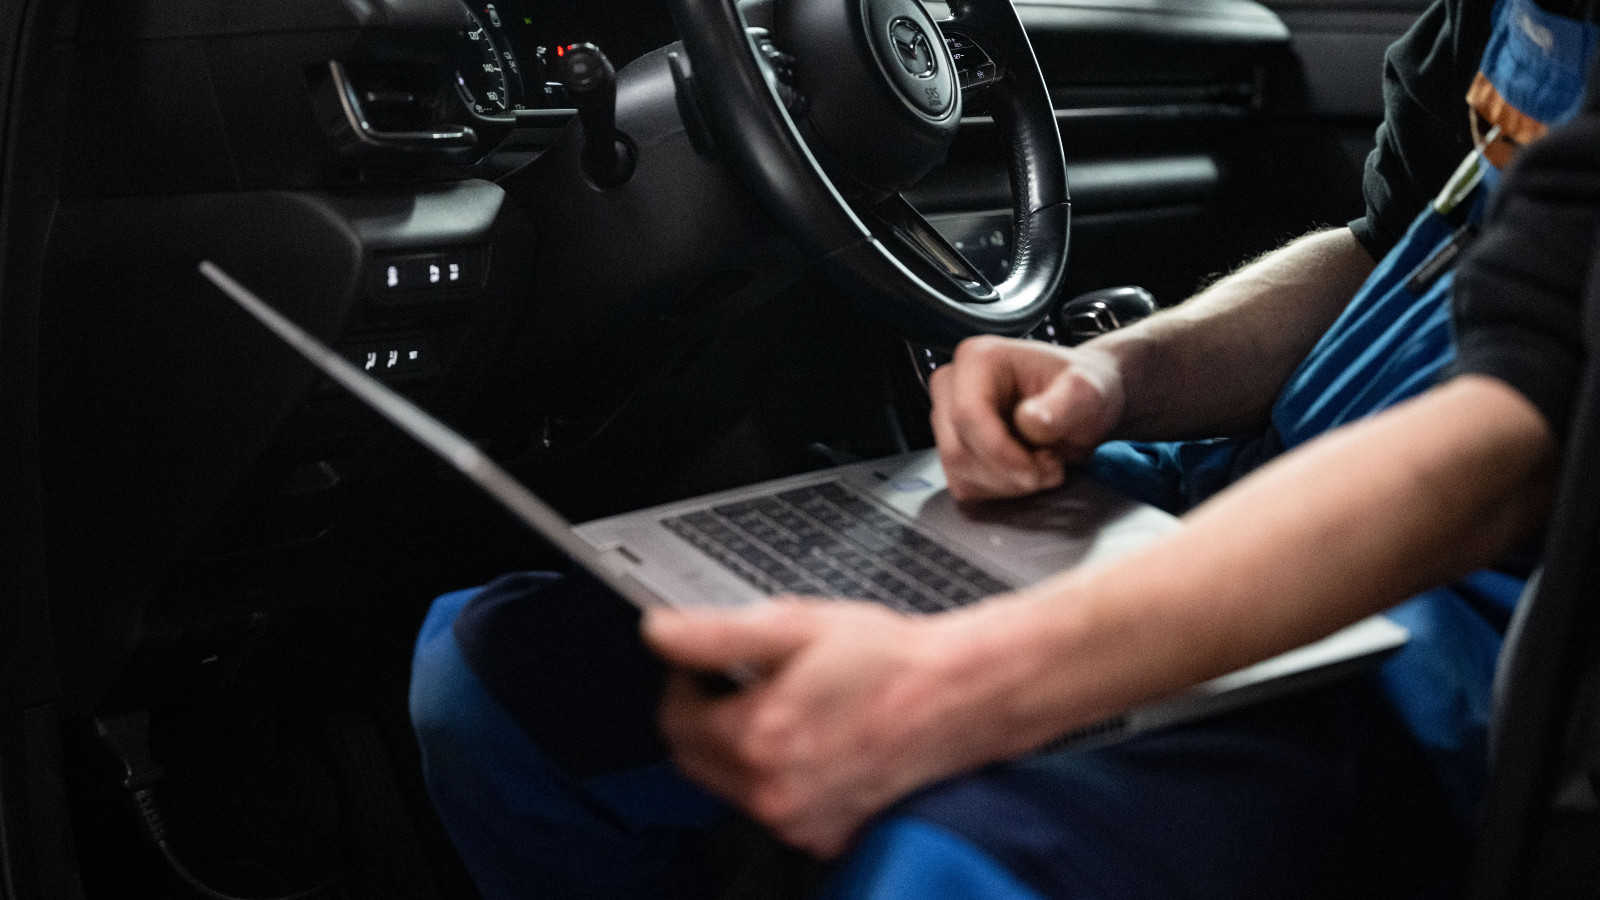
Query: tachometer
[480, 71]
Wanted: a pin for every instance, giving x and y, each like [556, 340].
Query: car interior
[635, 250]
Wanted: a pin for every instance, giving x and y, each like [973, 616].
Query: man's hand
[1009, 415]
[854, 708]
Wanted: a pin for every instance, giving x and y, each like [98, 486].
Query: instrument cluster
[509, 49]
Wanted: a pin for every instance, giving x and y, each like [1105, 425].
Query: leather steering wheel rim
[891, 261]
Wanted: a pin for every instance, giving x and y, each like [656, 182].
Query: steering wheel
[847, 102]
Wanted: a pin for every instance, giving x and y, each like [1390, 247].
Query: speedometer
[480, 71]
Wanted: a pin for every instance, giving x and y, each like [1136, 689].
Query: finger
[1042, 418]
[982, 455]
[968, 475]
[1068, 416]
[697, 737]
[1055, 416]
[1050, 467]
[1085, 419]
[975, 480]
[691, 721]
[960, 468]
[762, 636]
[710, 728]
[939, 392]
[957, 460]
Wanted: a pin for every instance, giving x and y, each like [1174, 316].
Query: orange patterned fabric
[1489, 109]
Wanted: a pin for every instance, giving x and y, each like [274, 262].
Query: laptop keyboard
[825, 540]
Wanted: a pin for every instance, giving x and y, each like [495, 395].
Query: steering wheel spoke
[904, 225]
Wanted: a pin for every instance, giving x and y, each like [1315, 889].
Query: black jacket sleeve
[1425, 132]
[1520, 290]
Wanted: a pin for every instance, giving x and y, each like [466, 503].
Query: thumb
[1061, 415]
[761, 637]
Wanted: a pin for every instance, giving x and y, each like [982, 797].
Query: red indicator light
[560, 50]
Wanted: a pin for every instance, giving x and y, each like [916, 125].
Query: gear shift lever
[591, 85]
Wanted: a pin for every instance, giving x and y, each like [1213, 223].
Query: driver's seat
[1541, 816]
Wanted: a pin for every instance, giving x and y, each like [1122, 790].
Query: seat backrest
[1540, 834]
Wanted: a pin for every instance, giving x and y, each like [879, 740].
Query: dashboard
[508, 50]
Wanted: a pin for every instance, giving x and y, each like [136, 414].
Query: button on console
[412, 356]
[412, 278]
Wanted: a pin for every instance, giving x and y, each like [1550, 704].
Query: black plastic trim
[1238, 21]
[163, 19]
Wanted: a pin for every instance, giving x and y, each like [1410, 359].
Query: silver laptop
[884, 530]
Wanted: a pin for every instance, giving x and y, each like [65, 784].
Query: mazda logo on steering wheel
[912, 47]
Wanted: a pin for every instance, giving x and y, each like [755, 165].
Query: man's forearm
[857, 706]
[1341, 528]
[1214, 364]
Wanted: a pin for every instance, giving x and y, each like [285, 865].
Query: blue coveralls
[1360, 789]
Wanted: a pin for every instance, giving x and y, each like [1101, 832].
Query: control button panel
[977, 76]
[974, 68]
[417, 277]
[411, 356]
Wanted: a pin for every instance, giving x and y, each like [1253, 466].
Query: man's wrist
[1009, 658]
[1126, 354]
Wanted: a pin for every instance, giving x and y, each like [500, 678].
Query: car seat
[1540, 833]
